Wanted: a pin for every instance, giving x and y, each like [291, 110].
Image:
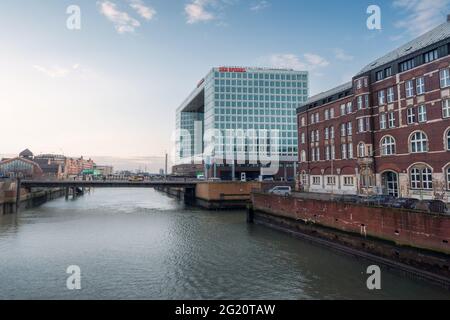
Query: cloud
[121, 20]
[197, 11]
[308, 62]
[422, 15]
[57, 71]
[340, 54]
[261, 5]
[144, 11]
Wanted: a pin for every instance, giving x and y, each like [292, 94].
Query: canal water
[140, 244]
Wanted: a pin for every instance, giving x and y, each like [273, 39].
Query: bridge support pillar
[67, 193]
[189, 196]
[17, 204]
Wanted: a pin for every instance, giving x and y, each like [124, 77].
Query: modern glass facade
[248, 99]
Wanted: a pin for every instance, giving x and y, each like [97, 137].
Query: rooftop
[436, 35]
[329, 93]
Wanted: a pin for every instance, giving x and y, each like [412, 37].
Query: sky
[111, 88]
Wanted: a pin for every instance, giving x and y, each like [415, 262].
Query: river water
[140, 244]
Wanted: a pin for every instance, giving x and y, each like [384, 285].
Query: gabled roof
[436, 35]
[26, 153]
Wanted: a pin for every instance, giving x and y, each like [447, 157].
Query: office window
[387, 146]
[317, 154]
[342, 109]
[445, 78]
[312, 119]
[420, 85]
[388, 72]
[327, 133]
[350, 150]
[303, 156]
[390, 95]
[358, 84]
[317, 117]
[349, 107]
[391, 120]
[382, 121]
[361, 125]
[422, 113]
[349, 129]
[316, 180]
[343, 130]
[430, 56]
[327, 153]
[333, 153]
[360, 102]
[313, 155]
[313, 136]
[331, 181]
[409, 88]
[332, 113]
[411, 116]
[349, 181]
[317, 136]
[421, 178]
[332, 132]
[327, 114]
[446, 108]
[361, 150]
[419, 142]
[344, 151]
[407, 65]
[381, 97]
[303, 121]
[366, 102]
[380, 75]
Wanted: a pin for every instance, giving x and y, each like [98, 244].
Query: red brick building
[387, 131]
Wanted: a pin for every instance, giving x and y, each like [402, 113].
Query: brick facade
[387, 112]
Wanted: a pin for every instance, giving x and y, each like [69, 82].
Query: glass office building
[232, 98]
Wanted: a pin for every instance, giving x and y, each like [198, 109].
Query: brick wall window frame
[360, 102]
[331, 181]
[388, 146]
[349, 181]
[418, 142]
[381, 97]
[379, 75]
[411, 115]
[343, 130]
[420, 85]
[303, 139]
[409, 88]
[391, 119]
[343, 109]
[313, 155]
[383, 121]
[313, 136]
[366, 102]
[331, 113]
[317, 117]
[327, 114]
[303, 122]
[446, 108]
[317, 154]
[361, 125]
[327, 133]
[447, 139]
[317, 136]
[344, 151]
[327, 153]
[331, 132]
[316, 180]
[303, 156]
[312, 119]
[388, 72]
[448, 177]
[350, 150]
[349, 129]
[361, 150]
[444, 75]
[390, 95]
[349, 107]
[422, 113]
[333, 152]
[421, 177]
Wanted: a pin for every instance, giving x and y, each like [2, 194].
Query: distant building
[74, 167]
[104, 170]
[20, 168]
[27, 154]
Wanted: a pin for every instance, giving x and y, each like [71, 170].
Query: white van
[281, 191]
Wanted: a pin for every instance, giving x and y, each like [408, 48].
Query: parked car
[281, 191]
[201, 177]
[436, 206]
[379, 200]
[403, 203]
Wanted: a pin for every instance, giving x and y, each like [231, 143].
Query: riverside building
[388, 130]
[222, 115]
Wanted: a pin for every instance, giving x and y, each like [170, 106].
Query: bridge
[106, 184]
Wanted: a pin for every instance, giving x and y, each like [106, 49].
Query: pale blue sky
[111, 88]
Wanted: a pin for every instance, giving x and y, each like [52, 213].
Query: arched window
[419, 142]
[447, 140]
[421, 177]
[361, 150]
[448, 178]
[388, 146]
